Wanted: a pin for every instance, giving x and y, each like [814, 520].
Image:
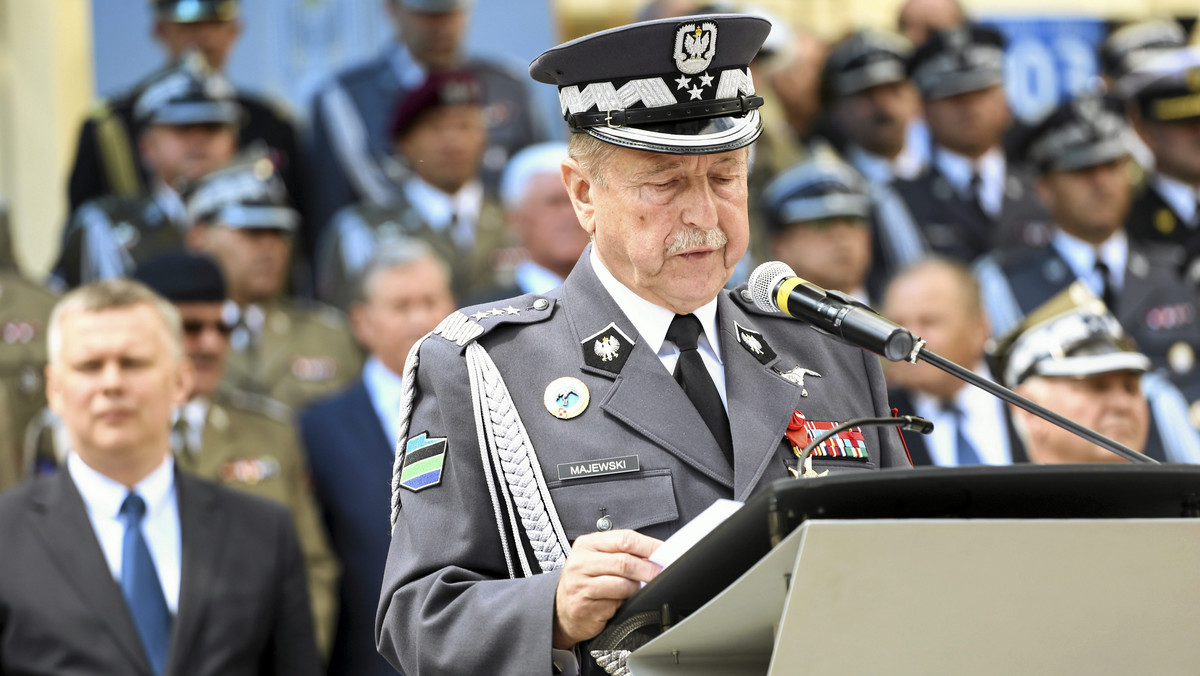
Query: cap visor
[1090, 365]
[1096, 154]
[954, 84]
[183, 114]
[243, 217]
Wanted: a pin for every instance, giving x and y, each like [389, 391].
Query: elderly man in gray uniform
[548, 442]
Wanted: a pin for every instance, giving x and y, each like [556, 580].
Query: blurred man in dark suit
[351, 437]
[940, 302]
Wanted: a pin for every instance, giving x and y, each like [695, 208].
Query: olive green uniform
[292, 352]
[24, 313]
[250, 443]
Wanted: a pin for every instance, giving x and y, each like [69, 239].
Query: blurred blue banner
[1048, 60]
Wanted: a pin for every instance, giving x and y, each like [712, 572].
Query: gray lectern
[1018, 570]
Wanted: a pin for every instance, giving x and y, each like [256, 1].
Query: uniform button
[541, 304]
[747, 296]
[604, 523]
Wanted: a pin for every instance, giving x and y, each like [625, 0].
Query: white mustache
[693, 238]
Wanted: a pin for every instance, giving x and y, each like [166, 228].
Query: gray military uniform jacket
[448, 605]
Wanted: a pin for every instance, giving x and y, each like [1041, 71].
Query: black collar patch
[754, 343]
[607, 349]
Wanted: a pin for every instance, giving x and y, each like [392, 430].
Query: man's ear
[579, 188]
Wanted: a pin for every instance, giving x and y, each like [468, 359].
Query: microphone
[776, 288]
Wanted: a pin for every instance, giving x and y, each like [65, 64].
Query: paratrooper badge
[607, 349]
[754, 343]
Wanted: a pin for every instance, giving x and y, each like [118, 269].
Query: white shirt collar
[103, 496]
[386, 389]
[991, 167]
[171, 203]
[982, 414]
[409, 73]
[1081, 257]
[437, 207]
[533, 278]
[1180, 196]
[650, 320]
[881, 170]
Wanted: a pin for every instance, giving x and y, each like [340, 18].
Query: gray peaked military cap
[956, 61]
[1078, 134]
[816, 189]
[188, 91]
[865, 59]
[680, 86]
[245, 195]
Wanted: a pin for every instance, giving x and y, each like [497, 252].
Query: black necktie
[1106, 287]
[976, 188]
[692, 375]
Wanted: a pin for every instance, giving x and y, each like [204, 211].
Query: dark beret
[183, 277]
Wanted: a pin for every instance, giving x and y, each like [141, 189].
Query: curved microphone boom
[776, 288]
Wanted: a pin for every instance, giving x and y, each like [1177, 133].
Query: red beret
[443, 88]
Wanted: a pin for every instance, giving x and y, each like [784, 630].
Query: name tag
[589, 468]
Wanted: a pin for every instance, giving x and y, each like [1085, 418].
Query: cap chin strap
[680, 112]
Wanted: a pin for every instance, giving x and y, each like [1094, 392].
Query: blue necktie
[141, 588]
[964, 451]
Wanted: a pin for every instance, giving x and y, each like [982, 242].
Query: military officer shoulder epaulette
[326, 316]
[254, 403]
[468, 324]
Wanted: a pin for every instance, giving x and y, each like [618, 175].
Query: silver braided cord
[456, 327]
[522, 473]
[490, 472]
[615, 662]
[408, 395]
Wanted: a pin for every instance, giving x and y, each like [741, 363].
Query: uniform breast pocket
[622, 501]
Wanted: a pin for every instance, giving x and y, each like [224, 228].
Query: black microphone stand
[996, 390]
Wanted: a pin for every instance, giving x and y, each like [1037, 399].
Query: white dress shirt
[652, 322]
[386, 390]
[1181, 197]
[983, 417]
[195, 413]
[533, 278]
[160, 526]
[440, 209]
[992, 175]
[1081, 257]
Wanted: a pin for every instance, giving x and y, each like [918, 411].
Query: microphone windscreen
[763, 281]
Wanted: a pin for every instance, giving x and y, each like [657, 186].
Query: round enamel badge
[566, 397]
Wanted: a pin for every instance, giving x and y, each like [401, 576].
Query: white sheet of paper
[694, 531]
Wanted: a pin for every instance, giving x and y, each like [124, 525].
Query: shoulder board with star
[466, 325]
